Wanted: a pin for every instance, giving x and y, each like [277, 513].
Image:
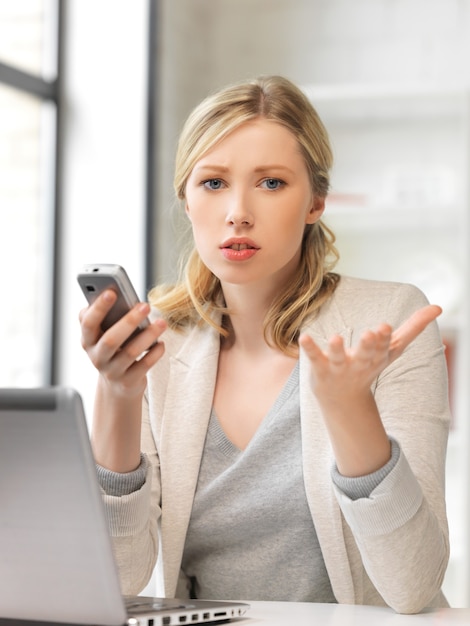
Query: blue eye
[213, 183]
[272, 183]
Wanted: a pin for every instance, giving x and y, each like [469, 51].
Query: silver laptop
[56, 559]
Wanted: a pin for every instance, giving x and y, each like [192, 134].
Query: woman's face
[249, 199]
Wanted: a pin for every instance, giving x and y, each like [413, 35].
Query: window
[29, 33]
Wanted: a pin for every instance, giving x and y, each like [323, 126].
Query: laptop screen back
[56, 558]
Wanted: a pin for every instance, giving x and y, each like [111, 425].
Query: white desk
[311, 614]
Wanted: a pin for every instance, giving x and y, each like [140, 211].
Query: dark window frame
[47, 91]
[150, 219]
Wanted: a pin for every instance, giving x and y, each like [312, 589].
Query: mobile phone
[95, 278]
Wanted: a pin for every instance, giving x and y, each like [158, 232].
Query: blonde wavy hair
[197, 296]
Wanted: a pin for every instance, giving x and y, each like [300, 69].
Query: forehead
[255, 139]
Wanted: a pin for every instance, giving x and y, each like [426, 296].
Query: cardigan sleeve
[401, 529]
[133, 519]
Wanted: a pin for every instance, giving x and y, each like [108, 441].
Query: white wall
[206, 44]
[103, 162]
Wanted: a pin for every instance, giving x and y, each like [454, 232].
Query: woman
[281, 441]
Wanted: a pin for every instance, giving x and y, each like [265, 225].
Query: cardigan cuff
[390, 505]
[128, 514]
[116, 484]
[363, 486]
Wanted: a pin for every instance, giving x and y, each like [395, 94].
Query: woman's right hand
[122, 368]
[122, 380]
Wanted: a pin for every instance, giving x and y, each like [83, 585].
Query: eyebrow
[212, 168]
[259, 170]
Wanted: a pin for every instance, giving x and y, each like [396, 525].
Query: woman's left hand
[341, 380]
[339, 368]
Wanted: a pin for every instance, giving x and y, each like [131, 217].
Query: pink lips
[238, 249]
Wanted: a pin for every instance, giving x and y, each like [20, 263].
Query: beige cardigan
[391, 548]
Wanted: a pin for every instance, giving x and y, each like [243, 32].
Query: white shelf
[357, 217]
[376, 103]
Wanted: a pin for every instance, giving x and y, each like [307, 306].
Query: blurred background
[93, 94]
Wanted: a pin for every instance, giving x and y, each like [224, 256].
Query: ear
[186, 210]
[316, 210]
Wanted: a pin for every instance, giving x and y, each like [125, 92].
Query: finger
[114, 338]
[336, 351]
[375, 342]
[149, 358]
[144, 341]
[412, 327]
[311, 349]
[384, 333]
[122, 368]
[367, 348]
[92, 317]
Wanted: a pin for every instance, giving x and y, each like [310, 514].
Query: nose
[239, 212]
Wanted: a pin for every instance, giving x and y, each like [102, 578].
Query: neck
[248, 307]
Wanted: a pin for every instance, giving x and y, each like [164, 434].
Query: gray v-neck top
[251, 535]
